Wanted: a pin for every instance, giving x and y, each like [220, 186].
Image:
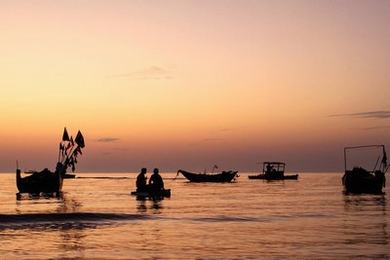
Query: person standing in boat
[156, 182]
[141, 181]
[269, 168]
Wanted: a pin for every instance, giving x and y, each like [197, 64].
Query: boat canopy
[269, 167]
[381, 161]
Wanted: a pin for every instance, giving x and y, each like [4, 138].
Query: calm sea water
[248, 219]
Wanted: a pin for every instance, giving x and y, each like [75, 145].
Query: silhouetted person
[156, 183]
[141, 180]
[269, 168]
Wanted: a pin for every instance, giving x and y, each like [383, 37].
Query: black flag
[79, 139]
[65, 136]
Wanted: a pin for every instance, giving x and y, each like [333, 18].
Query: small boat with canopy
[274, 171]
[368, 178]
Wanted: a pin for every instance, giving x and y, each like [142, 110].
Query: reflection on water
[145, 205]
[364, 202]
[97, 218]
[63, 201]
[37, 196]
[369, 212]
[68, 204]
[72, 238]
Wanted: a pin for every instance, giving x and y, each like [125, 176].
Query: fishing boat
[273, 171]
[46, 181]
[361, 180]
[224, 176]
[165, 193]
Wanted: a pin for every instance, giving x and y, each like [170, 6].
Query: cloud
[152, 72]
[380, 114]
[211, 140]
[207, 140]
[107, 139]
[376, 127]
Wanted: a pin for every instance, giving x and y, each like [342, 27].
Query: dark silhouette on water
[274, 171]
[46, 181]
[360, 180]
[141, 181]
[156, 182]
[224, 176]
[155, 189]
[155, 206]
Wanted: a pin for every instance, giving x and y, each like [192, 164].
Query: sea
[95, 217]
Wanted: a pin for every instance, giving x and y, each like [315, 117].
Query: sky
[190, 84]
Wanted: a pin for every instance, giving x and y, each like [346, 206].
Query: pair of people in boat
[270, 169]
[156, 183]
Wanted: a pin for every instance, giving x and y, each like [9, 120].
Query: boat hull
[227, 176]
[273, 178]
[166, 193]
[361, 181]
[39, 182]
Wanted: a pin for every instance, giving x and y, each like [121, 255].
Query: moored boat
[360, 180]
[46, 181]
[274, 171]
[224, 176]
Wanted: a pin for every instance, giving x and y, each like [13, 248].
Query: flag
[65, 135]
[79, 139]
[77, 151]
[71, 163]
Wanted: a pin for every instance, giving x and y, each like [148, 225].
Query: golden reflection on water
[145, 205]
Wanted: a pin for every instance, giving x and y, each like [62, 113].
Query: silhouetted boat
[225, 176]
[274, 171]
[360, 180]
[46, 181]
[166, 193]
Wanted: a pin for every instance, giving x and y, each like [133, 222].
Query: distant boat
[69, 176]
[360, 180]
[274, 171]
[166, 193]
[224, 176]
[46, 181]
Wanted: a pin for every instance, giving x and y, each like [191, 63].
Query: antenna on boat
[17, 164]
[376, 164]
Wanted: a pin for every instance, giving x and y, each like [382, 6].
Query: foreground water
[249, 219]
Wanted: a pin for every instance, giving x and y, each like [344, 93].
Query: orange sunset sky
[190, 84]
